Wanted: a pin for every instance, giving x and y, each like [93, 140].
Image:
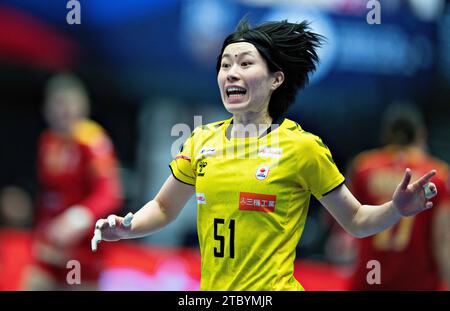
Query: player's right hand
[112, 228]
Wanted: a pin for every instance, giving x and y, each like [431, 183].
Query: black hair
[287, 47]
[402, 124]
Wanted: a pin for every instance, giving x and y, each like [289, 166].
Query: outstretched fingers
[406, 179]
[97, 238]
[422, 181]
[112, 220]
[100, 224]
[107, 228]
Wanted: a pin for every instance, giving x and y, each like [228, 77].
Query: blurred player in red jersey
[79, 182]
[413, 254]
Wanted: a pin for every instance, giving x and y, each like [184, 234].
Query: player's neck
[249, 124]
[63, 133]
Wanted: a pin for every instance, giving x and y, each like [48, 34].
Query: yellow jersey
[252, 196]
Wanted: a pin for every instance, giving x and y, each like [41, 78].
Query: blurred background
[149, 65]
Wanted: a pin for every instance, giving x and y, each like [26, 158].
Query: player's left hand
[70, 227]
[410, 199]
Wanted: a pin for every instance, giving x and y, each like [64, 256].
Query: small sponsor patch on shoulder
[206, 152]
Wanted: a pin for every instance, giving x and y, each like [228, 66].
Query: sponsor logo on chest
[262, 172]
[257, 202]
[270, 152]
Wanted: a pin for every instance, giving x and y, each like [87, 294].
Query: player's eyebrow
[240, 54]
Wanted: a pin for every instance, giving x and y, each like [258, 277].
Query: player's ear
[278, 79]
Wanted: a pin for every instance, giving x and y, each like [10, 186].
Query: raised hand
[410, 199]
[113, 228]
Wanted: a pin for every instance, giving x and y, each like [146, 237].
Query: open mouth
[235, 93]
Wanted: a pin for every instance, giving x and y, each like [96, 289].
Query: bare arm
[365, 220]
[154, 215]
[163, 209]
[441, 240]
[359, 220]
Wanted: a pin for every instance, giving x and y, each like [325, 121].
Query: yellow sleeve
[318, 172]
[183, 166]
